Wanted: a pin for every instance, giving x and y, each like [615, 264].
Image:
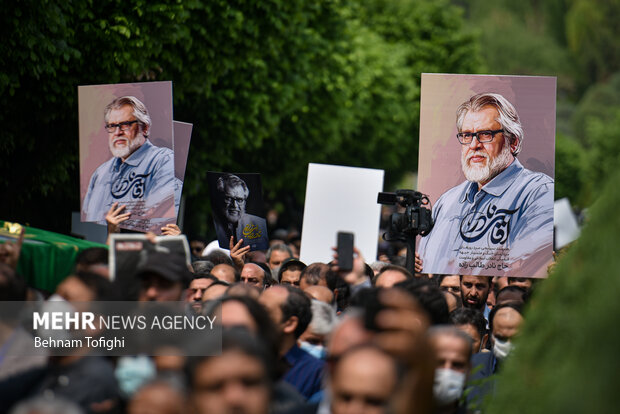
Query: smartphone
[345, 250]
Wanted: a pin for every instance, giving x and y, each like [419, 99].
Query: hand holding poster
[493, 213]
[234, 197]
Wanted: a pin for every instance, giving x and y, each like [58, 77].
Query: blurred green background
[272, 85]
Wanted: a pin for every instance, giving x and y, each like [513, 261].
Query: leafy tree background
[269, 86]
[273, 85]
[575, 40]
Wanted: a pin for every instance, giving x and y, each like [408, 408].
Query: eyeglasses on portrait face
[124, 126]
[465, 138]
[229, 200]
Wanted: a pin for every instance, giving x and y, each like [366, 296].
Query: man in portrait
[501, 218]
[231, 218]
[139, 176]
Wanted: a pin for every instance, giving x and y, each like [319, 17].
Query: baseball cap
[170, 266]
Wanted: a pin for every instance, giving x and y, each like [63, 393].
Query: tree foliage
[269, 85]
[592, 33]
[570, 160]
[565, 357]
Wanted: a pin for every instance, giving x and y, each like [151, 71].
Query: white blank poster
[340, 199]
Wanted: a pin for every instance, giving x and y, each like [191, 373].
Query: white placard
[340, 199]
[565, 223]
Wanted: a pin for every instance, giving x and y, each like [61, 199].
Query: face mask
[448, 386]
[317, 351]
[501, 349]
[55, 303]
[133, 372]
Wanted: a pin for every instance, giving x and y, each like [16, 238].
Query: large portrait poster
[182, 140]
[126, 153]
[237, 204]
[487, 146]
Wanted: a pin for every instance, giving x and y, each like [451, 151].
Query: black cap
[170, 266]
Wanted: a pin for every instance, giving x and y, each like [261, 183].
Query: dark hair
[267, 279]
[266, 328]
[297, 304]
[399, 261]
[241, 340]
[451, 330]
[468, 316]
[318, 271]
[497, 308]
[393, 267]
[101, 287]
[208, 276]
[216, 282]
[217, 256]
[290, 264]
[513, 289]
[489, 279]
[430, 297]
[440, 278]
[12, 287]
[459, 300]
[202, 267]
[92, 256]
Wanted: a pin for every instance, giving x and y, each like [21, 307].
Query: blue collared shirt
[145, 183]
[505, 228]
[305, 373]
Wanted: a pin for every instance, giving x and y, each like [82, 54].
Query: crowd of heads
[295, 336]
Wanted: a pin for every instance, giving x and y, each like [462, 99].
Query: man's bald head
[363, 381]
[321, 293]
[253, 274]
[225, 272]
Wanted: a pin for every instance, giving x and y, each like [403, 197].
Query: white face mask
[133, 372]
[317, 351]
[449, 385]
[501, 349]
[55, 303]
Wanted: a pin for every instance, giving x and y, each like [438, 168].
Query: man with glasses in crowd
[502, 213]
[138, 181]
[232, 220]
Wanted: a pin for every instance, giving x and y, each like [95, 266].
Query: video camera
[416, 219]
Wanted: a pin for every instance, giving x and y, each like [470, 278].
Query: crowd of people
[296, 337]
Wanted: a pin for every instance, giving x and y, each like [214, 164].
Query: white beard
[490, 169]
[127, 150]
